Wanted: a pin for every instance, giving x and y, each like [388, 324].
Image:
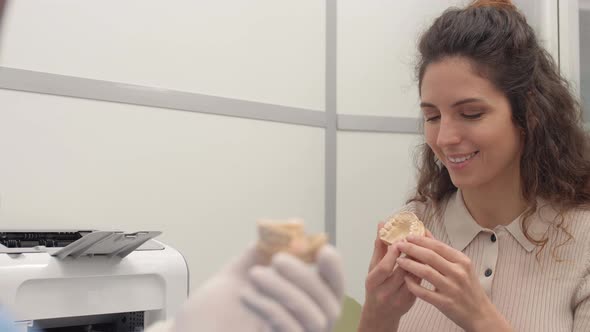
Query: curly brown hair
[555, 162]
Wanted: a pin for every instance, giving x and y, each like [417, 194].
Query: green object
[351, 316]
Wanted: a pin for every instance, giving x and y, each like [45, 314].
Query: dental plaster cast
[288, 236]
[398, 227]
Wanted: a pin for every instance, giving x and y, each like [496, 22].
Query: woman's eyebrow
[424, 104]
[458, 103]
[466, 101]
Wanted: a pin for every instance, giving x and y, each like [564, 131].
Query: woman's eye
[472, 116]
[432, 118]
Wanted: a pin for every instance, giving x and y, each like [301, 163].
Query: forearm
[371, 323]
[497, 326]
[494, 322]
[365, 326]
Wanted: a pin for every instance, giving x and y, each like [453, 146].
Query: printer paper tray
[106, 243]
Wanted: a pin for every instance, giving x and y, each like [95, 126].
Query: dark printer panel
[33, 239]
[116, 322]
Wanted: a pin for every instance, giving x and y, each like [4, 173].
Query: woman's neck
[495, 204]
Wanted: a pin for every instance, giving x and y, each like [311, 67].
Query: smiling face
[468, 125]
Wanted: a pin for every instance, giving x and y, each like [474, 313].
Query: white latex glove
[291, 295]
[287, 296]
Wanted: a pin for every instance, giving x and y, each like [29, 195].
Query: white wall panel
[375, 176]
[259, 50]
[543, 16]
[377, 52]
[202, 179]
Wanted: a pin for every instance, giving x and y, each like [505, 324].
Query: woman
[503, 187]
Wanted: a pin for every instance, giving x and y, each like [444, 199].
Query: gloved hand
[287, 295]
[291, 295]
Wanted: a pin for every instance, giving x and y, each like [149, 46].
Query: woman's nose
[448, 133]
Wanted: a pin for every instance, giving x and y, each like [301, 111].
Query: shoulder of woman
[578, 220]
[575, 220]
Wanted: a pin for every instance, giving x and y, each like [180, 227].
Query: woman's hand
[457, 293]
[387, 296]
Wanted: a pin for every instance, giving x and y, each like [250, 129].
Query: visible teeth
[462, 159]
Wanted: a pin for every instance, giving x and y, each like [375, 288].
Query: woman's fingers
[384, 268]
[427, 257]
[424, 271]
[443, 250]
[425, 294]
[379, 250]
[392, 286]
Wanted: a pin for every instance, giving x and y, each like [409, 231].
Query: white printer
[91, 281]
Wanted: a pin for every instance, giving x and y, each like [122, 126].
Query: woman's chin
[463, 182]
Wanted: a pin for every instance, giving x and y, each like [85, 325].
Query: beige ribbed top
[533, 295]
